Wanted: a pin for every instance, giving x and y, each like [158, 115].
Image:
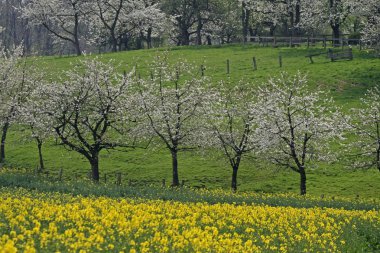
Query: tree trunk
[378, 145]
[185, 37]
[272, 29]
[41, 160]
[76, 36]
[139, 42]
[199, 31]
[298, 16]
[114, 42]
[336, 34]
[3, 138]
[245, 21]
[234, 178]
[175, 182]
[95, 167]
[149, 38]
[209, 41]
[303, 181]
[378, 157]
[125, 42]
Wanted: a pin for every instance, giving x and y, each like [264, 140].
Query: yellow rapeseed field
[40, 222]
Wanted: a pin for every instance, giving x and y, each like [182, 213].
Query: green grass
[24, 179]
[346, 80]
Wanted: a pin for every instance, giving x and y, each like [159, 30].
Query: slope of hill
[347, 81]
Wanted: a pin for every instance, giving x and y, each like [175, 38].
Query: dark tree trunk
[209, 42]
[77, 47]
[335, 22]
[378, 158]
[291, 25]
[139, 42]
[272, 30]
[245, 21]
[125, 42]
[199, 31]
[336, 34]
[76, 36]
[378, 145]
[175, 182]
[41, 160]
[298, 13]
[303, 181]
[149, 38]
[3, 138]
[185, 37]
[252, 33]
[234, 178]
[113, 42]
[95, 167]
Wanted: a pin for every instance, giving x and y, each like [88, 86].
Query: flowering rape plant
[50, 222]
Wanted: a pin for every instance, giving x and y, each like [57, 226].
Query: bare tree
[297, 124]
[88, 110]
[171, 101]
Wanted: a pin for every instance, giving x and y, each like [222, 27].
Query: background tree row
[76, 26]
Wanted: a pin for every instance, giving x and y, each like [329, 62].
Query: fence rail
[309, 41]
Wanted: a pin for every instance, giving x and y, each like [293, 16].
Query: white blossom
[365, 148]
[297, 124]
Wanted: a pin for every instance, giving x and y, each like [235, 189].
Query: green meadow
[346, 82]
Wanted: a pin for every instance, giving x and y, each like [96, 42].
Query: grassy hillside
[347, 81]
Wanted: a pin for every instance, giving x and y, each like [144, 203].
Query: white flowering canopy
[297, 124]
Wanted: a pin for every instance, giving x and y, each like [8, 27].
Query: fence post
[254, 63]
[60, 174]
[324, 43]
[274, 41]
[105, 178]
[202, 70]
[280, 60]
[308, 41]
[228, 66]
[163, 183]
[360, 45]
[330, 54]
[183, 183]
[118, 178]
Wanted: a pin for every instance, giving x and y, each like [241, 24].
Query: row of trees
[123, 24]
[94, 108]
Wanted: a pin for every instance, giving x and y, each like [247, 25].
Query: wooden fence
[309, 41]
